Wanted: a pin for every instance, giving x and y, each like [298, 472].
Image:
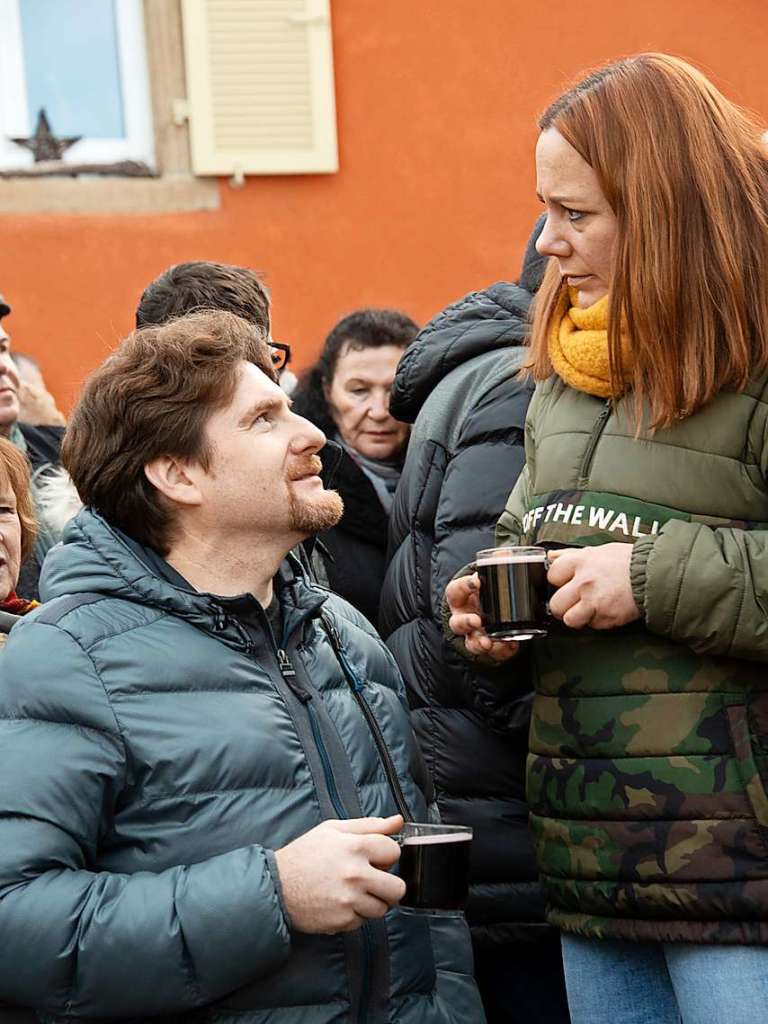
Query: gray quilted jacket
[153, 754]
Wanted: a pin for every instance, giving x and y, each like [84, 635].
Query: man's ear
[175, 479]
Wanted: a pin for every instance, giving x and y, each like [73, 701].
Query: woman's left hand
[593, 586]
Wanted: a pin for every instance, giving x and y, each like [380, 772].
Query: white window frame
[15, 120]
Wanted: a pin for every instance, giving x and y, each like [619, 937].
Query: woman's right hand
[463, 597]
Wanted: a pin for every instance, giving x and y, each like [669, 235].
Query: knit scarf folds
[578, 347]
[384, 476]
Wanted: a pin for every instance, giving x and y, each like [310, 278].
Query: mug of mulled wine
[513, 592]
[434, 864]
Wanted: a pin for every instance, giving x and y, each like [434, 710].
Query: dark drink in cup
[513, 592]
[434, 864]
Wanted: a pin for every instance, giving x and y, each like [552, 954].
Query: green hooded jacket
[649, 744]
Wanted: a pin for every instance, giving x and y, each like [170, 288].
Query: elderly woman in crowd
[17, 532]
[647, 478]
[346, 394]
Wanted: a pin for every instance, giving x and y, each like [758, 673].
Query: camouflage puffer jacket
[649, 744]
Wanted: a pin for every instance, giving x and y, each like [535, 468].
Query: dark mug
[513, 592]
[434, 864]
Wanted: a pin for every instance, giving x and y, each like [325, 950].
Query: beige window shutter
[260, 86]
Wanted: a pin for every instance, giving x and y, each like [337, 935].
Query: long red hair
[14, 467]
[686, 173]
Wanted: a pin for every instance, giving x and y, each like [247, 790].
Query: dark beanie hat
[534, 265]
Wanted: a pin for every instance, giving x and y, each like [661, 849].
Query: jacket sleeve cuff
[638, 569]
[275, 872]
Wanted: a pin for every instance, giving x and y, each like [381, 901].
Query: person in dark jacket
[346, 394]
[203, 755]
[41, 445]
[458, 384]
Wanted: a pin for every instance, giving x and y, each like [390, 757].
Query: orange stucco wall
[437, 101]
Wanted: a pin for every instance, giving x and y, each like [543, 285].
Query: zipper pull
[286, 668]
[288, 672]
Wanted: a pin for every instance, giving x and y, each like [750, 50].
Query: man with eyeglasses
[202, 284]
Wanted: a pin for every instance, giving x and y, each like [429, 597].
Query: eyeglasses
[281, 354]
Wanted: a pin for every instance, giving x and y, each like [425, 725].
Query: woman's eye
[573, 214]
[6, 510]
[359, 392]
[261, 421]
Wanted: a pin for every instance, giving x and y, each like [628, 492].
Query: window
[184, 89]
[85, 65]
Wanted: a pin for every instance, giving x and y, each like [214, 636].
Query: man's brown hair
[152, 397]
[15, 466]
[201, 284]
[686, 173]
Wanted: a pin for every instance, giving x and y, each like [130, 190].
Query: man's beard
[311, 516]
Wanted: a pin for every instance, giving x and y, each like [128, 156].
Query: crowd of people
[207, 750]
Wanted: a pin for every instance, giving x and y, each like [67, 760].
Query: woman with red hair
[17, 532]
[647, 479]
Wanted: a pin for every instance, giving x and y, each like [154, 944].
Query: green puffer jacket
[153, 754]
[649, 744]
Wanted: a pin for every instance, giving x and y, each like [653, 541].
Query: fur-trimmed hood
[57, 500]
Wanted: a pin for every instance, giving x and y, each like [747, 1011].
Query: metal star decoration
[44, 145]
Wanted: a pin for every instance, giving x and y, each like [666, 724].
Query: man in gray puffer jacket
[202, 754]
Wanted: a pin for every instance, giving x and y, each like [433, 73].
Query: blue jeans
[613, 982]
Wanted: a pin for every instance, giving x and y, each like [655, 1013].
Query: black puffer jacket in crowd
[466, 451]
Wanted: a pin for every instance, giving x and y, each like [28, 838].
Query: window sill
[105, 195]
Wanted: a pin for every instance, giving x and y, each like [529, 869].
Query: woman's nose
[550, 242]
[379, 407]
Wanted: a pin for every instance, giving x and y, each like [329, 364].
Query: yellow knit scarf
[578, 347]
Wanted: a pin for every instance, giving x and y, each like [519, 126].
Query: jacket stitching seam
[77, 726]
[201, 793]
[681, 581]
[86, 653]
[742, 599]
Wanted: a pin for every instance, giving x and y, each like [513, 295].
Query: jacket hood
[57, 500]
[94, 558]
[497, 317]
[480, 322]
